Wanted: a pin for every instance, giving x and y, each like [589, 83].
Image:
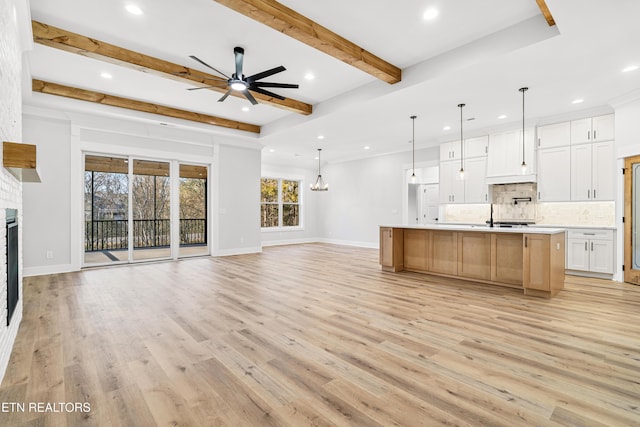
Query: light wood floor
[318, 335]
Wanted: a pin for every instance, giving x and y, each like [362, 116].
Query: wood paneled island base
[532, 259]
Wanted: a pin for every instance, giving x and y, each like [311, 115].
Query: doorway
[632, 220]
[138, 210]
[423, 204]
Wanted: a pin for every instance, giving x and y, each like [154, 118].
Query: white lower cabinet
[590, 250]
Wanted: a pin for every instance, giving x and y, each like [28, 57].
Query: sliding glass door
[151, 202]
[128, 207]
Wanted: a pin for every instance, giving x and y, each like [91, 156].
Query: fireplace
[12, 263]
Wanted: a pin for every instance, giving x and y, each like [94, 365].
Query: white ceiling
[474, 52]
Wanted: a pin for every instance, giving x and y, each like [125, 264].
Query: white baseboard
[47, 269]
[289, 242]
[590, 274]
[237, 251]
[351, 243]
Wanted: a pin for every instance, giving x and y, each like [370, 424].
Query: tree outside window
[279, 203]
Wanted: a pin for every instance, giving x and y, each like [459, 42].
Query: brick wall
[10, 188]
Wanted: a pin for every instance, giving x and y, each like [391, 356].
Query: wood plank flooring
[317, 335]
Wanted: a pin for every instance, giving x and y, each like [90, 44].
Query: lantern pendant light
[461, 106]
[413, 150]
[319, 185]
[524, 164]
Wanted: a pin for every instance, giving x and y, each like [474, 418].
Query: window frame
[280, 204]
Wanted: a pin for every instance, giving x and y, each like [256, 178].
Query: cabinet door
[581, 172]
[603, 171]
[603, 128]
[556, 135]
[578, 254]
[415, 249]
[529, 152]
[506, 258]
[443, 252]
[581, 131]
[386, 246]
[504, 154]
[554, 174]
[474, 255]
[536, 263]
[601, 256]
[450, 151]
[475, 188]
[446, 185]
[476, 147]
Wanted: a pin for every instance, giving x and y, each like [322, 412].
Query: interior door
[632, 220]
[429, 203]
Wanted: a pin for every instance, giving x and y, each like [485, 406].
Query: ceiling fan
[246, 85]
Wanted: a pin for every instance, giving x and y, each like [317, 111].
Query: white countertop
[485, 228]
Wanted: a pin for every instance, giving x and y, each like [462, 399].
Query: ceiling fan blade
[195, 58]
[225, 96]
[206, 87]
[281, 85]
[184, 73]
[264, 74]
[250, 97]
[239, 54]
[267, 93]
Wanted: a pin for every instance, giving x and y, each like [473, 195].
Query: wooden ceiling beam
[132, 104]
[542, 4]
[301, 28]
[58, 38]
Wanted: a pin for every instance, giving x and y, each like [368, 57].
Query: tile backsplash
[514, 202]
[596, 214]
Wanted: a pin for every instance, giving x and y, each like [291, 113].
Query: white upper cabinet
[450, 151]
[505, 157]
[594, 129]
[451, 186]
[476, 147]
[476, 189]
[592, 171]
[556, 135]
[554, 174]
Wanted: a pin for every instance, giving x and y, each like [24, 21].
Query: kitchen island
[528, 258]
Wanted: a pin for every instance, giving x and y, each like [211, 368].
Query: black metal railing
[101, 235]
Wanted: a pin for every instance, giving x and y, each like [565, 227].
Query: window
[279, 203]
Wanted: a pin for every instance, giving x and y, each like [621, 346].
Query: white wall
[14, 38]
[54, 221]
[308, 232]
[364, 194]
[627, 117]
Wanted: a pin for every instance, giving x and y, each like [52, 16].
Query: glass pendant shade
[319, 185]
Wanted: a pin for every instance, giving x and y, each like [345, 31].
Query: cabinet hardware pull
[589, 234]
[588, 135]
[591, 246]
[594, 134]
[588, 194]
[525, 241]
[585, 246]
[594, 194]
[539, 195]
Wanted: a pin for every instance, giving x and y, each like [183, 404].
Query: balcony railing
[101, 235]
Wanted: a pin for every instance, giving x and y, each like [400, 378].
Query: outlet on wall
[49, 254]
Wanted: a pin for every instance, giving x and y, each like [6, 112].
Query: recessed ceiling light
[106, 75]
[446, 128]
[271, 150]
[430, 13]
[133, 9]
[366, 147]
[630, 68]
[320, 136]
[309, 76]
[577, 101]
[245, 109]
[316, 158]
[502, 116]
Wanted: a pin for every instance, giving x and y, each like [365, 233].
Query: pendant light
[319, 185]
[413, 150]
[461, 106]
[524, 164]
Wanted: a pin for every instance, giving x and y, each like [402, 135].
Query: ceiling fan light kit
[240, 83]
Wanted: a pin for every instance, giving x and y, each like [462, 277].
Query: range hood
[20, 160]
[511, 179]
